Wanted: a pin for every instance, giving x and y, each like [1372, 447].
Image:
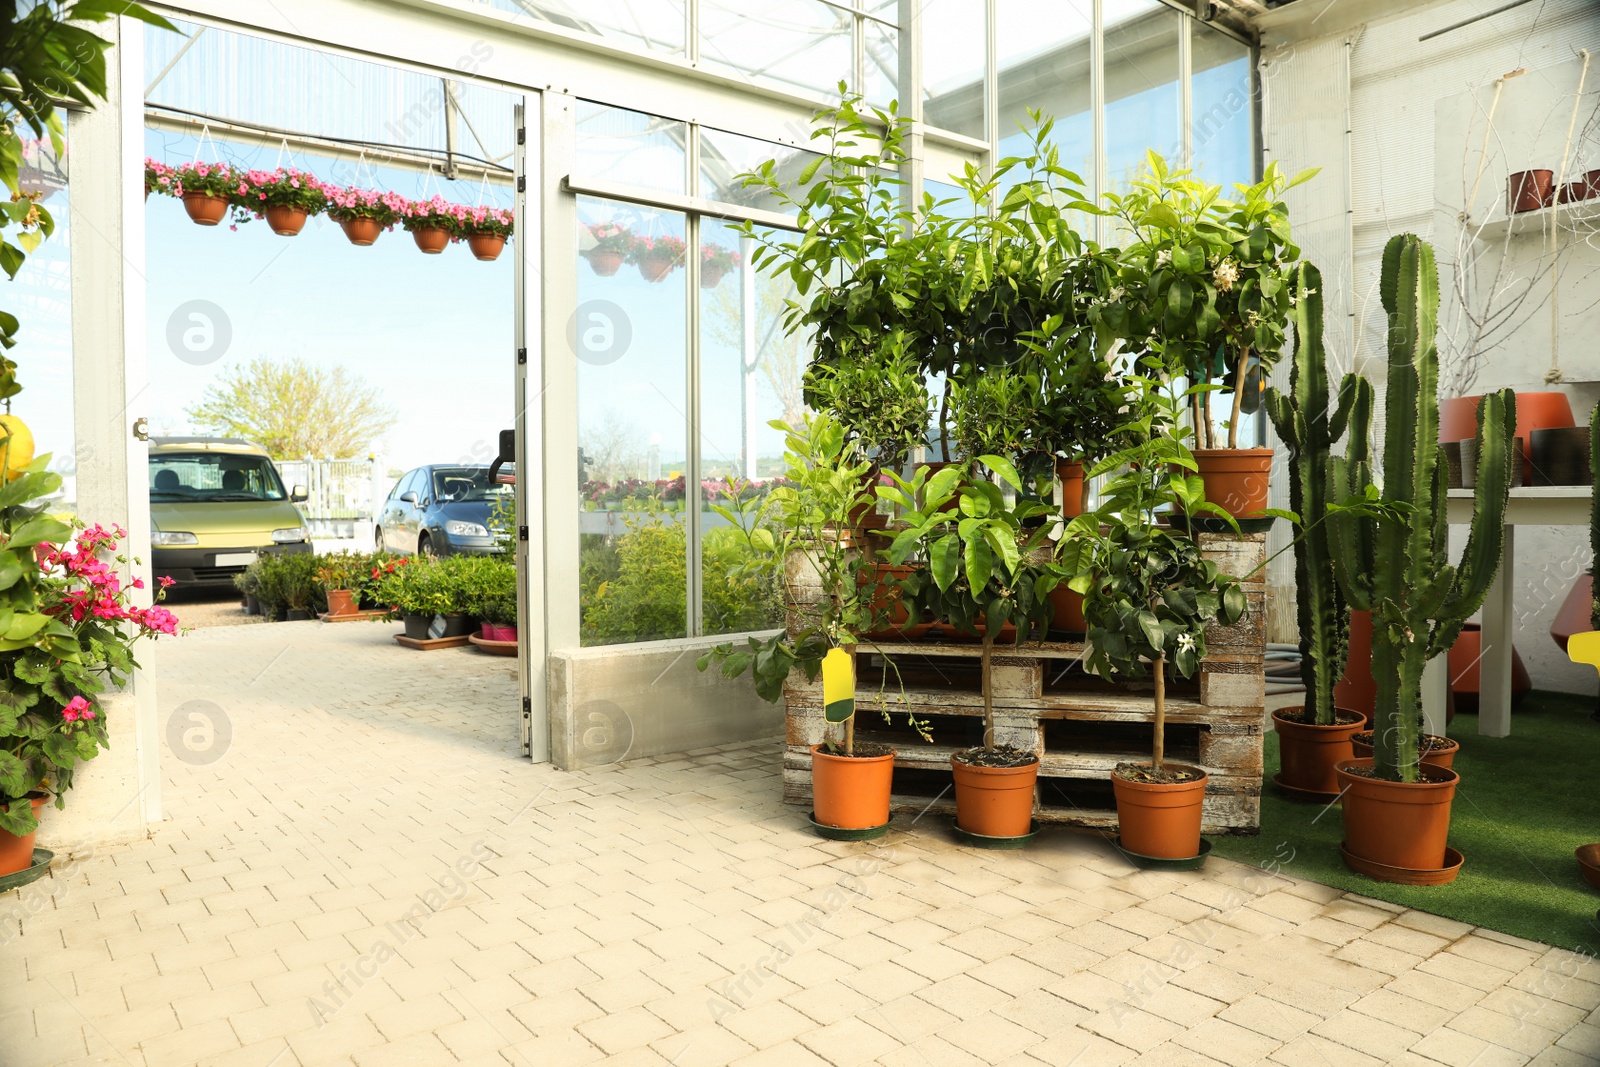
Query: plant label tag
[436, 627]
[838, 685]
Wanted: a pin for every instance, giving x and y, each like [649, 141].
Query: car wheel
[425, 546]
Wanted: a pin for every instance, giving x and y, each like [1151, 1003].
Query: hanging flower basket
[286, 221]
[362, 230]
[433, 223]
[205, 210]
[486, 229]
[612, 246]
[285, 198]
[431, 239]
[486, 246]
[605, 261]
[657, 256]
[364, 213]
[715, 263]
[207, 190]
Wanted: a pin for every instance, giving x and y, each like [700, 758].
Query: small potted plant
[339, 574]
[715, 262]
[246, 582]
[656, 257]
[985, 575]
[794, 534]
[1395, 566]
[209, 192]
[363, 213]
[611, 247]
[1316, 736]
[432, 223]
[285, 198]
[486, 229]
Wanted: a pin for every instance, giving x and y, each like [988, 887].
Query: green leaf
[979, 564]
[943, 560]
[1004, 468]
[1151, 626]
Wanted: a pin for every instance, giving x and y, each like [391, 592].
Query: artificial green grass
[1523, 804]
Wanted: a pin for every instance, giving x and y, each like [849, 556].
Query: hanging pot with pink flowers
[208, 192]
[715, 262]
[433, 223]
[285, 198]
[657, 256]
[487, 229]
[363, 213]
[612, 244]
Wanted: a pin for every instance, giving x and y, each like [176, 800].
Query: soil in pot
[16, 853]
[1159, 813]
[431, 240]
[485, 246]
[1397, 824]
[205, 210]
[284, 220]
[361, 231]
[417, 626]
[995, 790]
[1236, 479]
[851, 792]
[1436, 751]
[1309, 752]
[341, 602]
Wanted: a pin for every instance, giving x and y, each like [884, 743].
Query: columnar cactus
[1309, 430]
[1396, 565]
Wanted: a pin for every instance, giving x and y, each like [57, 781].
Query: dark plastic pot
[457, 625]
[1561, 456]
[252, 604]
[417, 626]
[298, 615]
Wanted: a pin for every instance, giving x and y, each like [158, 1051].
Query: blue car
[440, 511]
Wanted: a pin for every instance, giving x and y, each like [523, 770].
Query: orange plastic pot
[1536, 410]
[1068, 607]
[994, 801]
[1309, 752]
[1236, 479]
[1070, 475]
[1397, 824]
[284, 220]
[431, 240]
[1529, 190]
[485, 246]
[850, 792]
[1162, 821]
[1465, 659]
[886, 598]
[1357, 690]
[16, 853]
[341, 602]
[1444, 756]
[361, 231]
[205, 210]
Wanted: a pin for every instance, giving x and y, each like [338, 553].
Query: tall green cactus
[1397, 566]
[1309, 430]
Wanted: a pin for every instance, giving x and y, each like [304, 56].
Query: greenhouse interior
[1140, 576]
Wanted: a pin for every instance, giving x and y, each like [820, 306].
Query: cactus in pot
[1397, 566]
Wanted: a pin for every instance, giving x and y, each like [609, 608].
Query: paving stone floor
[369, 875]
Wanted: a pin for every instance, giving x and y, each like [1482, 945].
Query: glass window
[1043, 52]
[618, 145]
[953, 50]
[629, 335]
[656, 26]
[466, 485]
[1222, 120]
[179, 476]
[724, 156]
[1141, 78]
[791, 44]
[750, 374]
[40, 296]
[880, 46]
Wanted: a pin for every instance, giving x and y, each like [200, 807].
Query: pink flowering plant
[487, 220]
[610, 237]
[671, 249]
[258, 190]
[719, 258]
[435, 213]
[383, 208]
[68, 625]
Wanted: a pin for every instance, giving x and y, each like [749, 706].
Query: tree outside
[293, 408]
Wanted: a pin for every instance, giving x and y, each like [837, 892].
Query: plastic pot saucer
[1382, 872]
[839, 833]
[967, 837]
[1159, 863]
[18, 879]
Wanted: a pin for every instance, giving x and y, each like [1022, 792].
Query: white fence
[343, 494]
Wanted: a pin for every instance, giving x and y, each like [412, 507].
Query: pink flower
[76, 707]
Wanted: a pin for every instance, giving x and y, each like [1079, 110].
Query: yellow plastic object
[1585, 648]
[16, 446]
[838, 685]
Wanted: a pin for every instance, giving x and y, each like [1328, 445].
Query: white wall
[1417, 116]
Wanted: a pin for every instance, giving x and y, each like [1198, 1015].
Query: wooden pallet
[1046, 702]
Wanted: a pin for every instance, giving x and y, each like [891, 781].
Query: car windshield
[465, 485]
[203, 476]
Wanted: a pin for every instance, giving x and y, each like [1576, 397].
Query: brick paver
[370, 875]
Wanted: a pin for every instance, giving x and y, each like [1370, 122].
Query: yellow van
[216, 505]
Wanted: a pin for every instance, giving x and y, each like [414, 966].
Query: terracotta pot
[1537, 409]
[1160, 820]
[1529, 190]
[1464, 663]
[431, 239]
[657, 267]
[1397, 824]
[361, 231]
[205, 210]
[16, 853]
[1591, 184]
[1309, 752]
[711, 277]
[850, 792]
[1236, 479]
[1070, 475]
[1575, 614]
[1356, 690]
[994, 801]
[286, 221]
[485, 246]
[1068, 607]
[341, 602]
[886, 597]
[604, 262]
[1439, 756]
[1572, 192]
[1560, 456]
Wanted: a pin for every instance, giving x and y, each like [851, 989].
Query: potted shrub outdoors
[339, 574]
[1205, 280]
[299, 586]
[794, 534]
[1316, 736]
[1396, 810]
[246, 583]
[363, 213]
[610, 249]
[209, 192]
[984, 572]
[432, 223]
[270, 586]
[398, 585]
[486, 229]
[657, 256]
[285, 198]
[59, 654]
[1148, 597]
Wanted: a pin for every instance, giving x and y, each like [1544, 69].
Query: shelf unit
[1045, 701]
